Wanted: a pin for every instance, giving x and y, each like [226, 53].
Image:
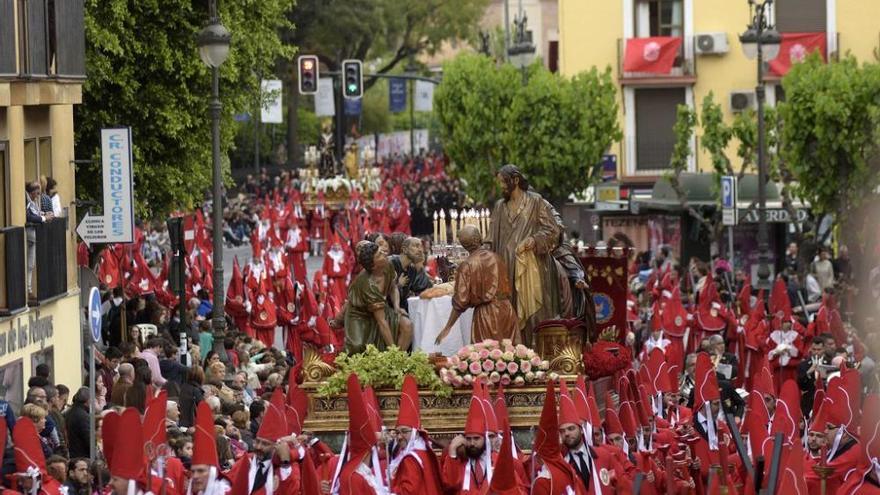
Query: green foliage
[685, 121]
[716, 135]
[145, 72]
[384, 370]
[831, 131]
[386, 30]
[555, 129]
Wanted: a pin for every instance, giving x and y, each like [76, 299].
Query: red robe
[813, 482]
[263, 313]
[611, 473]
[452, 474]
[297, 247]
[337, 269]
[847, 458]
[287, 486]
[417, 474]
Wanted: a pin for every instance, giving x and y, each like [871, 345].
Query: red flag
[651, 55]
[795, 47]
[108, 269]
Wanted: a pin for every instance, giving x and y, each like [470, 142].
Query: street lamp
[522, 53]
[213, 44]
[761, 41]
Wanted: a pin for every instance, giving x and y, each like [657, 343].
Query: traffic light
[308, 74]
[353, 78]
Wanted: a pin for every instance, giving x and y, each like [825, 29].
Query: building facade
[42, 68]
[596, 33]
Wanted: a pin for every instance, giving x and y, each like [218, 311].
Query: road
[243, 253]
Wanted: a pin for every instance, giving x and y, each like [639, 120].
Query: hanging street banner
[424, 96]
[117, 222]
[396, 95]
[324, 104]
[352, 106]
[272, 111]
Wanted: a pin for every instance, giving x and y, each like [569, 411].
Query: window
[659, 18]
[801, 16]
[8, 64]
[37, 158]
[655, 110]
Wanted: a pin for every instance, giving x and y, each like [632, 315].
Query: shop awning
[698, 188]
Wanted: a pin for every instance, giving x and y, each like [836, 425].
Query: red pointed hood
[155, 433]
[500, 407]
[792, 477]
[612, 421]
[594, 407]
[475, 424]
[28, 451]
[756, 422]
[491, 421]
[658, 372]
[504, 480]
[780, 304]
[109, 429]
[568, 413]
[744, 298]
[643, 406]
[311, 480]
[787, 418]
[361, 431]
[675, 317]
[710, 312]
[296, 404]
[674, 360]
[628, 419]
[274, 425]
[843, 396]
[581, 403]
[409, 410]
[128, 463]
[817, 422]
[870, 429]
[547, 444]
[204, 438]
[763, 380]
[373, 408]
[706, 386]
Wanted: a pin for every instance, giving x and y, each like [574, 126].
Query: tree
[830, 139]
[144, 72]
[554, 128]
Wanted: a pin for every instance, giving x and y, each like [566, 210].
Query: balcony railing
[684, 69]
[12, 272]
[40, 39]
[50, 268]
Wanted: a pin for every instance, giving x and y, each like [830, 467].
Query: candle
[453, 216]
[436, 227]
[486, 220]
[442, 227]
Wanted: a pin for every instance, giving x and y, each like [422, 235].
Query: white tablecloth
[429, 316]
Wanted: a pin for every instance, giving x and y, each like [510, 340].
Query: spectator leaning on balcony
[54, 197]
[34, 214]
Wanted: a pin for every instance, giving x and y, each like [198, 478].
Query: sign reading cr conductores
[117, 222]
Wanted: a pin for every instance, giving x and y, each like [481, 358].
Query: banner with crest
[607, 277]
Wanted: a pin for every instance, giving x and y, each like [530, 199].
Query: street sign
[728, 200]
[396, 95]
[117, 222]
[324, 104]
[776, 215]
[272, 111]
[728, 191]
[95, 314]
[607, 192]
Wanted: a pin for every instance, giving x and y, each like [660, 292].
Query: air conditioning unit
[712, 44]
[742, 100]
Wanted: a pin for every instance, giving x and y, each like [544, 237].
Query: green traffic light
[352, 88]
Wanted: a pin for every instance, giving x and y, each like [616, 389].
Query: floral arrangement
[495, 362]
[337, 183]
[606, 356]
[383, 370]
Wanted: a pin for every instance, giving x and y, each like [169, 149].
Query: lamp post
[213, 44]
[522, 52]
[761, 41]
[412, 70]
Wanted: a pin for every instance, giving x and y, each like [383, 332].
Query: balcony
[50, 267]
[683, 71]
[42, 39]
[12, 270]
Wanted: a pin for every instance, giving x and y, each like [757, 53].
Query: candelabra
[452, 250]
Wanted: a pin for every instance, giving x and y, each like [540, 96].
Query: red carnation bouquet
[606, 356]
